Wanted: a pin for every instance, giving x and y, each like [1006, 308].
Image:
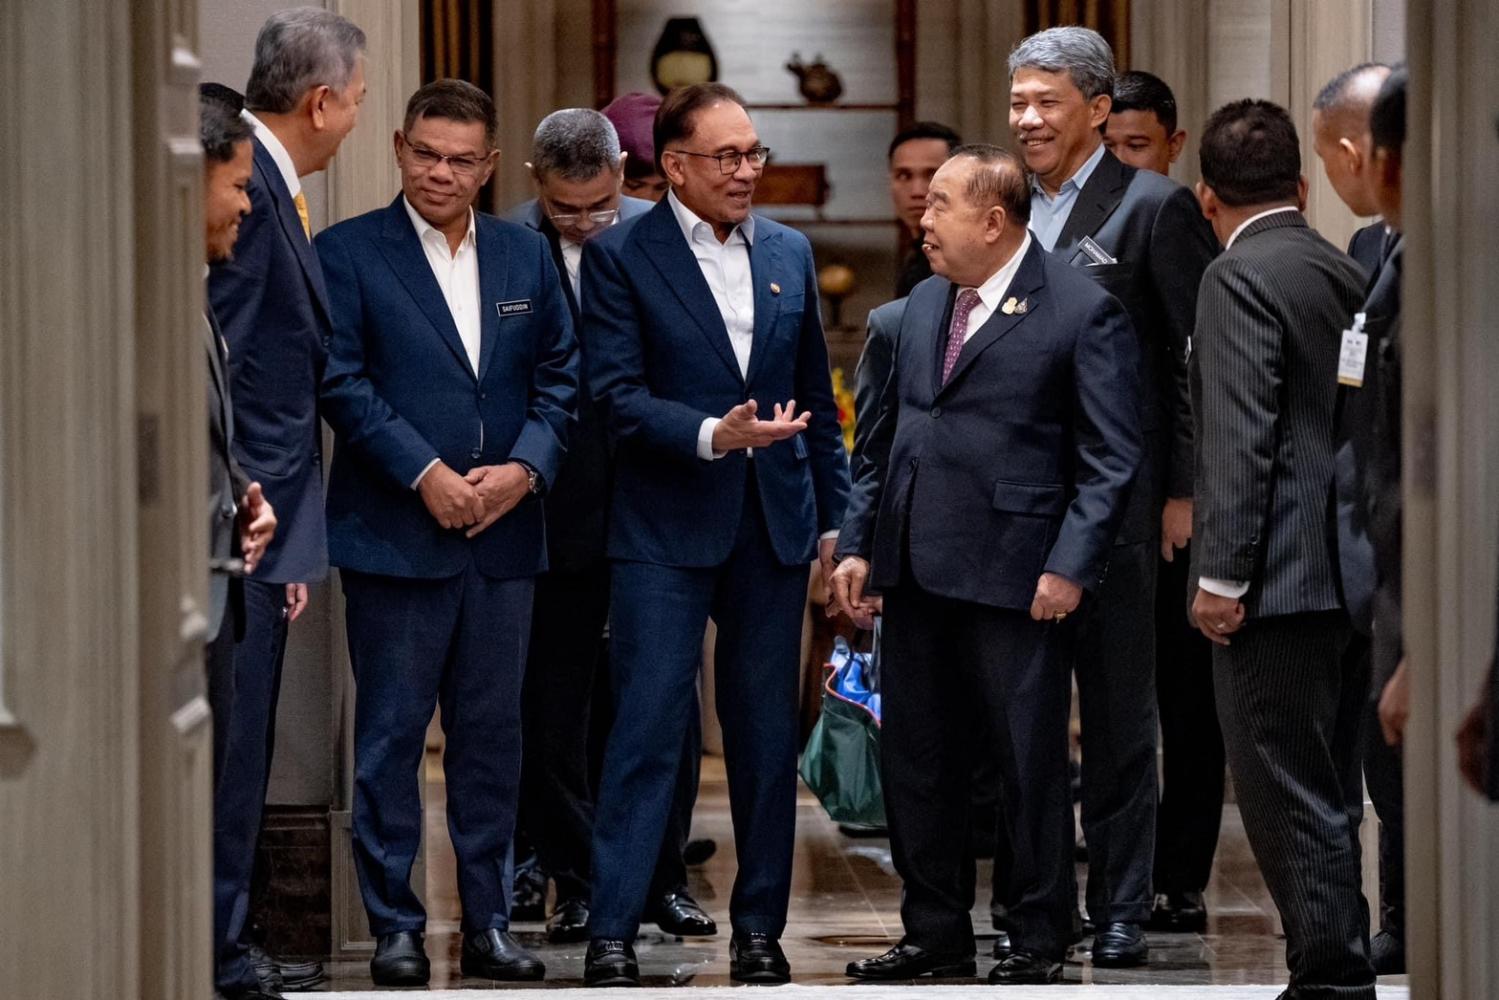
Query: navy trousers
[656, 637]
[414, 644]
[244, 721]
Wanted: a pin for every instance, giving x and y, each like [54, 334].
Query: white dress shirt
[457, 276]
[992, 291]
[278, 153]
[726, 269]
[572, 259]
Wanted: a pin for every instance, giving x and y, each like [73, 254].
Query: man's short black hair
[674, 118]
[924, 130]
[455, 100]
[1138, 90]
[1250, 154]
[220, 125]
[1387, 116]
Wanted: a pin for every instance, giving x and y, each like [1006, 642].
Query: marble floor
[844, 905]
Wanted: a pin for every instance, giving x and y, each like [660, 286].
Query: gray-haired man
[578, 167]
[302, 99]
[1143, 238]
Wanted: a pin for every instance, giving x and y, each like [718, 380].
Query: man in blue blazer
[302, 100]
[986, 506]
[579, 168]
[452, 376]
[701, 328]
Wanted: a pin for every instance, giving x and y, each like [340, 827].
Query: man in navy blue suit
[701, 328]
[302, 100]
[451, 381]
[991, 488]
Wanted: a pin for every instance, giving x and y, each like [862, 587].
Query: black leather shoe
[568, 922]
[757, 958]
[1002, 946]
[495, 954]
[400, 960]
[679, 914]
[1024, 969]
[1180, 913]
[610, 963]
[906, 961]
[1387, 952]
[285, 975]
[698, 851]
[1119, 946]
[528, 894]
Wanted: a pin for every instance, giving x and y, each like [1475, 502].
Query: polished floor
[844, 905]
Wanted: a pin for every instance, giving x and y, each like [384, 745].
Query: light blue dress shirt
[1049, 215]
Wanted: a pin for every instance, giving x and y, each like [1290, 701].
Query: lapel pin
[1009, 307]
[1022, 306]
[775, 289]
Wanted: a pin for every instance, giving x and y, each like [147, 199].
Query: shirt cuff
[1224, 588]
[705, 440]
[422, 475]
[828, 534]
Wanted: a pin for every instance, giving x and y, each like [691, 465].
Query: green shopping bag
[841, 762]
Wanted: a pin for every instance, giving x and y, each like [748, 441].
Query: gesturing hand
[257, 526]
[1056, 598]
[1217, 617]
[848, 591]
[453, 501]
[740, 428]
[501, 488]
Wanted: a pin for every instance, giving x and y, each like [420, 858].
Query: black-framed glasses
[428, 159]
[566, 220]
[728, 163]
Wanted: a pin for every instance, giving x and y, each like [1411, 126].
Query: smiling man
[1141, 237]
[451, 382]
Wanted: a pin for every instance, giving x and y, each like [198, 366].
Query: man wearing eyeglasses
[705, 351]
[578, 167]
[450, 388]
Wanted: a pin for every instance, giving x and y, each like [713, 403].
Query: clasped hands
[475, 500]
[1056, 596]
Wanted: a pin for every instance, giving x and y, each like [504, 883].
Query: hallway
[845, 902]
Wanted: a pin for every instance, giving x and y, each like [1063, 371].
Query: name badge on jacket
[1354, 354]
[515, 307]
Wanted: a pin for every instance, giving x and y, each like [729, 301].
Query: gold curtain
[458, 43]
[1110, 18]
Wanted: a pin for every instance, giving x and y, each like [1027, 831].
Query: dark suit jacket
[577, 504]
[400, 392]
[1153, 227]
[1270, 317]
[1379, 459]
[273, 306]
[873, 371]
[661, 362]
[914, 269]
[1022, 463]
[227, 482]
[1367, 248]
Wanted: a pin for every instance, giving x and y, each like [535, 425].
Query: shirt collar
[994, 288]
[1255, 218]
[278, 153]
[1078, 179]
[423, 227]
[688, 220]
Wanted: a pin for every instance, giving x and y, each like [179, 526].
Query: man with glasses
[450, 388]
[578, 167]
[705, 351]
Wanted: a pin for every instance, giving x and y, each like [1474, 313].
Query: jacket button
[913, 463]
[474, 454]
[936, 412]
[483, 395]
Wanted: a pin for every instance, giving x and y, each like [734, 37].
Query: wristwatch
[533, 479]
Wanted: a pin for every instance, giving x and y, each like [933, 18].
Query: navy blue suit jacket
[400, 392]
[273, 307]
[1022, 462]
[661, 361]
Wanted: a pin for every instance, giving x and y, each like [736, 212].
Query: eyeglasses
[728, 163]
[428, 159]
[567, 220]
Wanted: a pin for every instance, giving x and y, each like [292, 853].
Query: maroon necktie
[958, 331]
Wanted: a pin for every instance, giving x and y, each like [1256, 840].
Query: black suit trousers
[1291, 692]
[960, 680]
[1384, 773]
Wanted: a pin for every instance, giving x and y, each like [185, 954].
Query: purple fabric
[967, 299]
[634, 115]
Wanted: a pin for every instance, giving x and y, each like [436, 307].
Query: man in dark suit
[1141, 237]
[1340, 124]
[241, 521]
[993, 486]
[451, 382]
[913, 158]
[578, 167]
[1270, 316]
[302, 100]
[702, 333]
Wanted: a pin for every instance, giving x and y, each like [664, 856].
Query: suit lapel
[1095, 203]
[674, 259]
[494, 273]
[554, 241]
[765, 255]
[403, 250]
[291, 223]
[1023, 288]
[213, 341]
[937, 346]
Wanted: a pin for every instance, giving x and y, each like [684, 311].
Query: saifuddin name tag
[515, 307]
[1354, 354]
